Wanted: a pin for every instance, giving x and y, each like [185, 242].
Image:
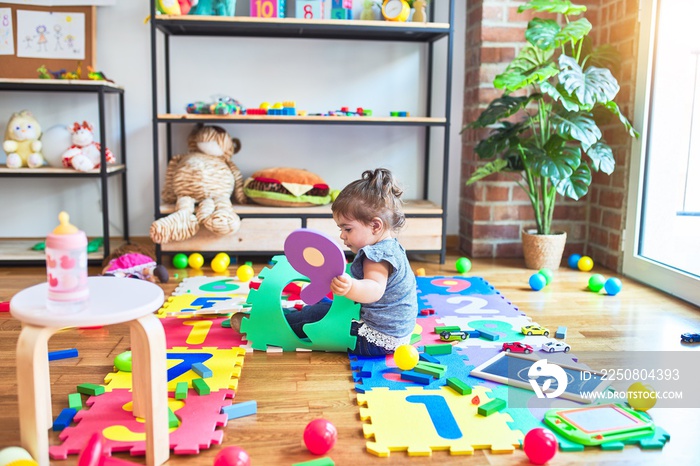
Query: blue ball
[613, 286]
[573, 261]
[538, 281]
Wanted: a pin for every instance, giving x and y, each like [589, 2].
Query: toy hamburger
[287, 187]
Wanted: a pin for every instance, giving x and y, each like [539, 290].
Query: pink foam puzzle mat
[446, 420]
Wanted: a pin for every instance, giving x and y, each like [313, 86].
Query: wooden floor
[293, 388]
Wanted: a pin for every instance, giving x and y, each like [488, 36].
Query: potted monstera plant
[544, 127]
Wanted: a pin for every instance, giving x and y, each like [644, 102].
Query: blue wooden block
[488, 335]
[417, 377]
[201, 370]
[473, 333]
[428, 358]
[561, 333]
[63, 354]
[236, 410]
[64, 419]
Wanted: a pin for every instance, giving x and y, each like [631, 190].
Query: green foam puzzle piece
[266, 326]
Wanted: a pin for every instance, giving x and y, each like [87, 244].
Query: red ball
[540, 445]
[232, 456]
[320, 436]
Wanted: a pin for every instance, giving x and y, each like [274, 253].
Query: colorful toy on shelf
[287, 187]
[54, 142]
[96, 75]
[396, 10]
[232, 456]
[517, 347]
[85, 154]
[320, 436]
[613, 286]
[214, 7]
[369, 11]
[534, 329]
[537, 281]
[221, 105]
[201, 184]
[540, 445]
[419, 14]
[22, 141]
[585, 264]
[341, 9]
[168, 7]
[310, 9]
[406, 357]
[690, 337]
[463, 265]
[267, 8]
[596, 282]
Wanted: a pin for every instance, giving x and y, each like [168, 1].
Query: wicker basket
[543, 251]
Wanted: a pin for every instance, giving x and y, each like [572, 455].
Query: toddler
[369, 212]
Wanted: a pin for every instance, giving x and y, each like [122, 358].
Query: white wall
[320, 75]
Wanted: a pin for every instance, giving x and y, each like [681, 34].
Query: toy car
[517, 347]
[690, 337]
[455, 335]
[534, 329]
[556, 346]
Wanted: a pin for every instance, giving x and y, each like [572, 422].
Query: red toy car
[517, 347]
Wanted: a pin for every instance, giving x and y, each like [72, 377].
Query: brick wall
[493, 212]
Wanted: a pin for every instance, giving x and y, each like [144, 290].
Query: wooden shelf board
[411, 121]
[68, 172]
[78, 83]
[20, 249]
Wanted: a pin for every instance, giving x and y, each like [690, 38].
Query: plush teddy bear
[84, 154]
[201, 184]
[22, 144]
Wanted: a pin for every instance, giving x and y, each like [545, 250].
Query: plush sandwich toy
[289, 187]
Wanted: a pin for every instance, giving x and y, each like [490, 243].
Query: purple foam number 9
[315, 255]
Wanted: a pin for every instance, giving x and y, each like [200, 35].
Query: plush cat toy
[84, 154]
[22, 144]
[214, 8]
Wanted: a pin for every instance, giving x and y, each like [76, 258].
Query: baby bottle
[66, 267]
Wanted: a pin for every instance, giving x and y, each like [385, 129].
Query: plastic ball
[463, 265]
[548, 274]
[613, 286]
[596, 282]
[16, 456]
[320, 436]
[219, 264]
[641, 397]
[196, 261]
[222, 256]
[585, 264]
[180, 261]
[232, 456]
[123, 361]
[537, 281]
[540, 445]
[406, 357]
[573, 260]
[420, 272]
[245, 273]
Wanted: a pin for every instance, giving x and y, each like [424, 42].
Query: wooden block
[201, 370]
[429, 370]
[416, 377]
[236, 410]
[459, 386]
[181, 391]
[64, 419]
[560, 333]
[90, 389]
[173, 421]
[75, 401]
[437, 349]
[63, 354]
[473, 333]
[319, 462]
[428, 358]
[201, 387]
[491, 407]
[488, 335]
[446, 328]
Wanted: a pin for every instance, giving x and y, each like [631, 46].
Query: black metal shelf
[59, 85]
[301, 120]
[299, 28]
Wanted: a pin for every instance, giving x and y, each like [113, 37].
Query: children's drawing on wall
[51, 35]
[7, 41]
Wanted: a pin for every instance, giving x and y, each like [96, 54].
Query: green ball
[548, 275]
[123, 361]
[463, 265]
[596, 282]
[180, 261]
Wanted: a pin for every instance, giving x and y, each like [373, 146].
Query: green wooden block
[181, 391]
[447, 328]
[437, 349]
[75, 401]
[415, 338]
[173, 421]
[491, 407]
[226, 323]
[459, 386]
[432, 371]
[200, 386]
[90, 389]
[319, 462]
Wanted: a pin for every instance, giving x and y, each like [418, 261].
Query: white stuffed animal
[22, 143]
[84, 154]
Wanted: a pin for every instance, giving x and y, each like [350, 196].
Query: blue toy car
[690, 337]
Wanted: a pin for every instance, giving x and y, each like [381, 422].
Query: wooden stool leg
[34, 391]
[150, 385]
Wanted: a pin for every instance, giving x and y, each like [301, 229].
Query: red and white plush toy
[84, 154]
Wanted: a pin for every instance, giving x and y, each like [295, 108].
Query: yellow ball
[585, 264]
[219, 264]
[406, 357]
[223, 257]
[641, 397]
[196, 261]
[420, 272]
[245, 273]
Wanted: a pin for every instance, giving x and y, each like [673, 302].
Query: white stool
[112, 301]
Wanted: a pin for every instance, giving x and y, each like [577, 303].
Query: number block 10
[267, 8]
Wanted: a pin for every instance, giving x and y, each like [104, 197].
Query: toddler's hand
[341, 284]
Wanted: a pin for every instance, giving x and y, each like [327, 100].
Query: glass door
[662, 245]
